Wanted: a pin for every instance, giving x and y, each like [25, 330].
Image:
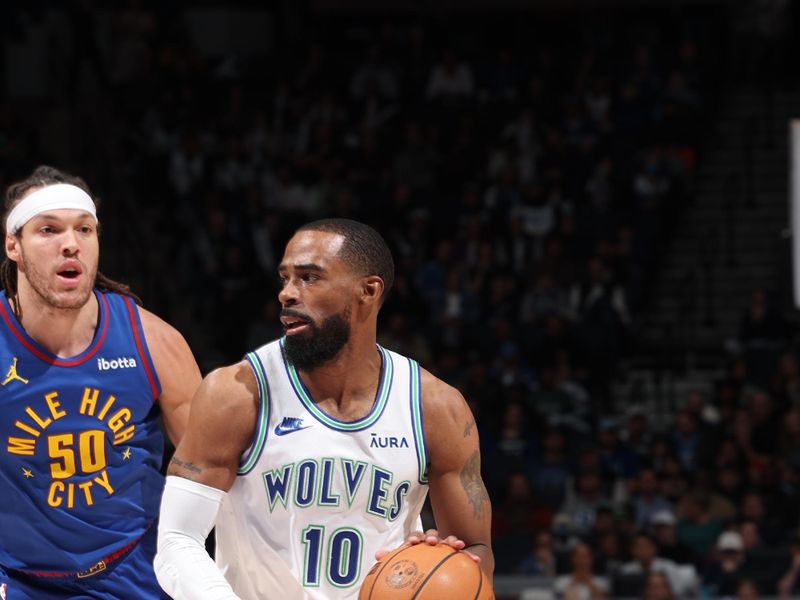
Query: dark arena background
[589, 204]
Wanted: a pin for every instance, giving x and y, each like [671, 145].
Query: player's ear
[371, 289]
[12, 247]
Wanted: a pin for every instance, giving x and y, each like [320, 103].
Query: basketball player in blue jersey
[316, 452]
[84, 374]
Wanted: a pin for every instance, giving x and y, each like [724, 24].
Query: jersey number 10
[343, 556]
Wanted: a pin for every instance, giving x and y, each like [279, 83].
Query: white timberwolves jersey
[315, 496]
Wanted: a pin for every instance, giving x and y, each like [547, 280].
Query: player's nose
[69, 243]
[288, 296]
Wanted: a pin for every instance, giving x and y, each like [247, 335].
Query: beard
[40, 284]
[320, 344]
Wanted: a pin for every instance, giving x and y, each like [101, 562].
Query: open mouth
[69, 274]
[293, 325]
[70, 271]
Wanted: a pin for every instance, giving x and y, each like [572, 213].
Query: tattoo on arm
[185, 466]
[473, 485]
[468, 427]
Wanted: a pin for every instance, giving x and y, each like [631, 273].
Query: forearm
[182, 566]
[484, 552]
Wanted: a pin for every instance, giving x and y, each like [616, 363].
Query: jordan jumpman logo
[12, 374]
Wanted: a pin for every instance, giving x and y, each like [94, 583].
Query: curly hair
[42, 177]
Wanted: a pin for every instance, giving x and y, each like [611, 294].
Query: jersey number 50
[91, 453]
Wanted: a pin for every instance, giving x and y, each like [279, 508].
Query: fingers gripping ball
[425, 572]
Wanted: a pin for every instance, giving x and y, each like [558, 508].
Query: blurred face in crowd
[729, 480]
[657, 587]
[665, 534]
[746, 591]
[643, 550]
[519, 488]
[685, 423]
[637, 427]
[750, 535]
[648, 482]
[760, 406]
[582, 558]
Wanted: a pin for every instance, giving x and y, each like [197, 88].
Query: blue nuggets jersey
[80, 445]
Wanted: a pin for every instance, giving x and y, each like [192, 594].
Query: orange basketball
[425, 572]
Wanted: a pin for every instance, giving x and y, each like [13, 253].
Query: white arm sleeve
[183, 567]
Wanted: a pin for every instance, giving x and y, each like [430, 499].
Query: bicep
[221, 426]
[458, 496]
[177, 373]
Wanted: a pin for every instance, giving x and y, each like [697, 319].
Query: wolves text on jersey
[77, 459]
[313, 482]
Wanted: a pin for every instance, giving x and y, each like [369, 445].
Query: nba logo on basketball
[3, 591]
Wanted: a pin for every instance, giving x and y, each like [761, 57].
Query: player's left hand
[432, 538]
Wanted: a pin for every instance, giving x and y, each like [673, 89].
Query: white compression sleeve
[183, 567]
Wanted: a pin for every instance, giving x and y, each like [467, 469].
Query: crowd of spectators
[526, 176]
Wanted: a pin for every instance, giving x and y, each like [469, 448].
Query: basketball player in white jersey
[316, 452]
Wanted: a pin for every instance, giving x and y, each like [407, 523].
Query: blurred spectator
[729, 566]
[752, 508]
[666, 536]
[399, 336]
[450, 79]
[682, 579]
[761, 325]
[584, 501]
[786, 381]
[747, 590]
[647, 501]
[637, 434]
[658, 587]
[581, 583]
[617, 459]
[520, 515]
[551, 471]
[541, 561]
[697, 529]
[789, 582]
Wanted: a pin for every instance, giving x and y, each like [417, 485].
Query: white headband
[52, 197]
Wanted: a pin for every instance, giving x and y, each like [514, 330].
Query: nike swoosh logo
[281, 430]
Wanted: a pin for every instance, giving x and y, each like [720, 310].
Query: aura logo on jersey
[387, 441]
[76, 459]
[326, 482]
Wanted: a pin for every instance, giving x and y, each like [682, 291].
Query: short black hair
[364, 249]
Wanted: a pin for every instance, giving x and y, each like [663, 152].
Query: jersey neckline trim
[379, 404]
[48, 357]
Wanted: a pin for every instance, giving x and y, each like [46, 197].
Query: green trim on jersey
[416, 420]
[377, 409]
[262, 427]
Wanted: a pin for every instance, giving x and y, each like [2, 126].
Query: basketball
[426, 572]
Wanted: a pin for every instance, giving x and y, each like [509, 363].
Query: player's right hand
[431, 537]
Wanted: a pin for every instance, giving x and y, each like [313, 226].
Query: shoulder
[450, 432]
[441, 402]
[230, 388]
